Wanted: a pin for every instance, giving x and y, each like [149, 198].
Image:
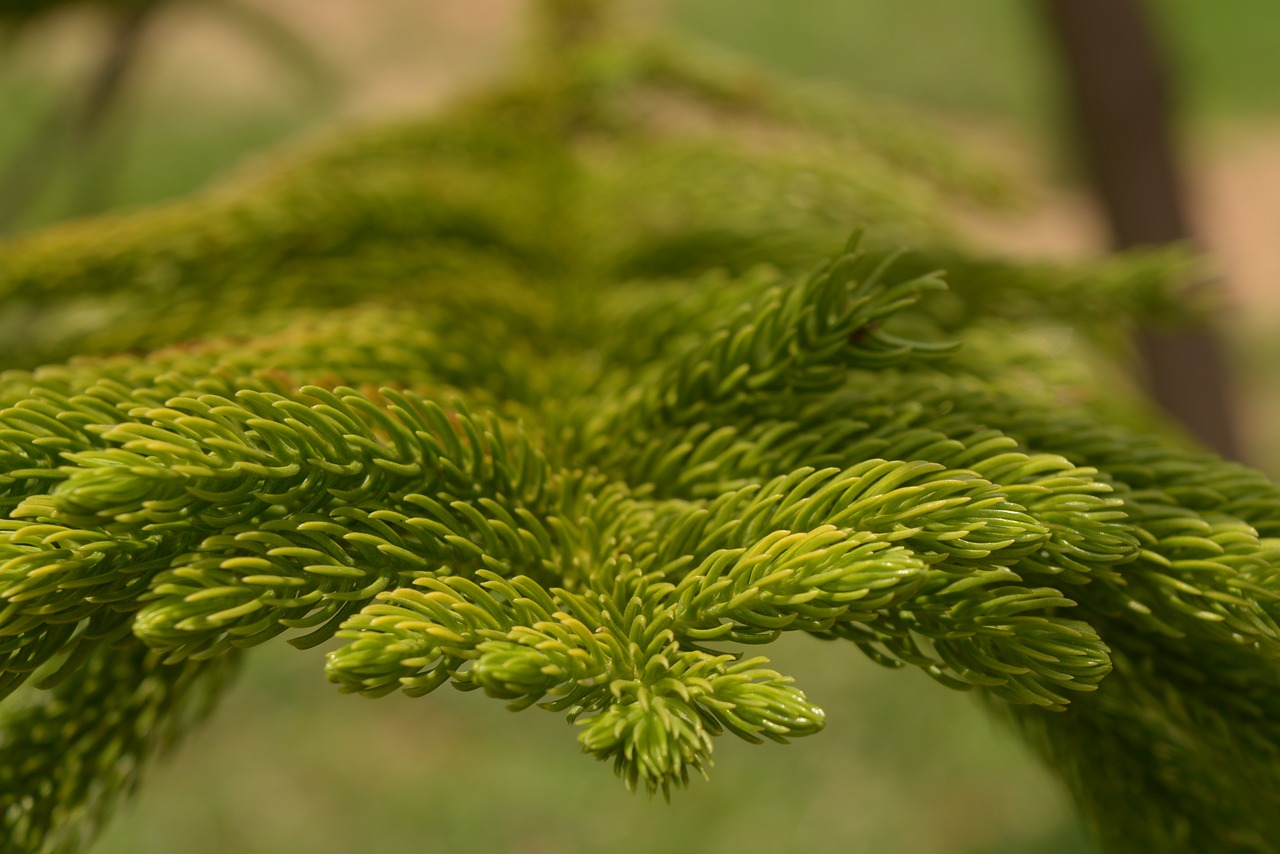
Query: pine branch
[263, 433]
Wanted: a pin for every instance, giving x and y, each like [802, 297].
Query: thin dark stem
[105, 89]
[65, 131]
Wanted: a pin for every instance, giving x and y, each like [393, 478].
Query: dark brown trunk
[1120, 94]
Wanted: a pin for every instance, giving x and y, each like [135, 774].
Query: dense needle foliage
[554, 398]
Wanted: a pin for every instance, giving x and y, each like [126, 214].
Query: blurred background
[101, 111]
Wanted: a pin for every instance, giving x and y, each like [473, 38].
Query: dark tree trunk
[1120, 94]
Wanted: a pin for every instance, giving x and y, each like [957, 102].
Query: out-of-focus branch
[120, 58]
[73, 129]
[282, 43]
[1120, 93]
[95, 187]
[33, 167]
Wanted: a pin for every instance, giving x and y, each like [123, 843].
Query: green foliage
[506, 400]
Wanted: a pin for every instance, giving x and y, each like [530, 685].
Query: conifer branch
[477, 404]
